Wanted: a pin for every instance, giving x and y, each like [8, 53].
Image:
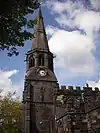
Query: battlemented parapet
[88, 95]
[82, 105]
[78, 88]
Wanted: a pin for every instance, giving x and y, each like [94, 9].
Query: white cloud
[89, 21]
[74, 14]
[50, 30]
[61, 7]
[74, 52]
[95, 4]
[66, 11]
[6, 82]
[94, 84]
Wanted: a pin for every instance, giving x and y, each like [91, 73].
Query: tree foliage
[9, 114]
[12, 20]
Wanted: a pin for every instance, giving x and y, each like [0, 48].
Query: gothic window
[31, 61]
[41, 60]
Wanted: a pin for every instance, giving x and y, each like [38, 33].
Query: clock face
[42, 72]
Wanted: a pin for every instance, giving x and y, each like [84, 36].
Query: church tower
[40, 84]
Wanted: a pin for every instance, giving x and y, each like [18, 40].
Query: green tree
[12, 22]
[9, 114]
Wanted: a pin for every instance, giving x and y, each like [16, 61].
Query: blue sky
[73, 29]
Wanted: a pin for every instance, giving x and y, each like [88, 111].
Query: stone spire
[40, 40]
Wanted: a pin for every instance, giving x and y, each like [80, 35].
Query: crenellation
[96, 89]
[87, 89]
[63, 87]
[71, 88]
[78, 88]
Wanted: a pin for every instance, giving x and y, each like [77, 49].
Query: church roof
[40, 40]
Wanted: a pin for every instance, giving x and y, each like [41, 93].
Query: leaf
[9, 114]
[12, 22]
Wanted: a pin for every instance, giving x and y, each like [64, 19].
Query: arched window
[41, 60]
[31, 61]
